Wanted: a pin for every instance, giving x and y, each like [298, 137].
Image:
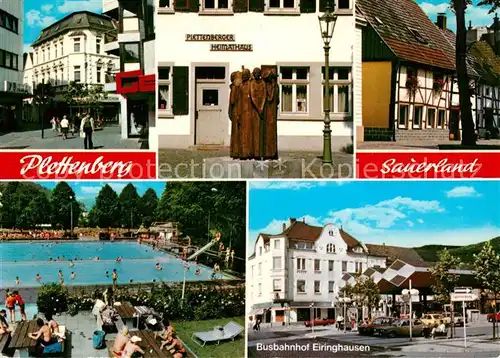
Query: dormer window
[330, 248]
[358, 250]
[418, 36]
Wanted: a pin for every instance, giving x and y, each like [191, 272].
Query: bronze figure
[271, 114]
[234, 114]
[246, 113]
[258, 97]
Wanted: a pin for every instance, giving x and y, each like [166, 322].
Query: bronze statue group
[253, 111]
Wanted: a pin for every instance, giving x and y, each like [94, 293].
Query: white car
[458, 319]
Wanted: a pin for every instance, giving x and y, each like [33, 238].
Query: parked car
[491, 317]
[433, 319]
[320, 322]
[367, 328]
[401, 328]
[458, 319]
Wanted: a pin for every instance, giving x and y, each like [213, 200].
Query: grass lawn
[227, 349]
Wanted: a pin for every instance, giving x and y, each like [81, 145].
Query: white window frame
[56, 81]
[277, 244]
[216, 9]
[305, 287]
[318, 261]
[259, 272]
[98, 77]
[317, 292]
[98, 45]
[346, 266]
[76, 41]
[332, 265]
[358, 267]
[427, 122]
[405, 125]
[419, 126]
[330, 248]
[332, 284]
[75, 69]
[260, 289]
[443, 125]
[280, 263]
[168, 110]
[294, 82]
[301, 264]
[336, 83]
[280, 286]
[268, 10]
[166, 9]
[62, 48]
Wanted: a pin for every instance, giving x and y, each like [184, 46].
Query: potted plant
[412, 84]
[438, 86]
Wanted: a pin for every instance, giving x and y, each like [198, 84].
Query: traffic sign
[463, 297]
[462, 290]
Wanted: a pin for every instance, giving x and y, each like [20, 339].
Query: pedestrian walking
[86, 130]
[65, 127]
[54, 124]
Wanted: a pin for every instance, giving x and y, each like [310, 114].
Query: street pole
[41, 105]
[411, 313]
[327, 132]
[465, 326]
[71, 216]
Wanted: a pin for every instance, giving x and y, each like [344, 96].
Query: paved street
[107, 138]
[429, 145]
[479, 343]
[189, 164]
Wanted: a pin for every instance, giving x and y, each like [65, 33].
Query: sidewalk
[107, 138]
[421, 145]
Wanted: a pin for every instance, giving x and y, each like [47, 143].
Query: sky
[399, 213]
[38, 14]
[477, 14]
[86, 191]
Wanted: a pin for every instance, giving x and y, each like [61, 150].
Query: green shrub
[52, 298]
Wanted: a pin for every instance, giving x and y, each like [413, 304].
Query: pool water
[27, 259]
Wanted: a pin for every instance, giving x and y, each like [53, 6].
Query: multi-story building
[408, 74]
[135, 78]
[12, 90]
[214, 38]
[304, 266]
[72, 50]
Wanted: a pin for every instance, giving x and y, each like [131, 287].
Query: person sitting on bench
[43, 336]
[4, 325]
[441, 329]
[174, 346]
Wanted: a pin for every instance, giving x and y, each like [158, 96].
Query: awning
[256, 311]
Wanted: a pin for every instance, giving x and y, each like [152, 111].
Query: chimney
[441, 21]
[284, 226]
[292, 221]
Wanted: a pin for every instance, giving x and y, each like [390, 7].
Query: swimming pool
[27, 259]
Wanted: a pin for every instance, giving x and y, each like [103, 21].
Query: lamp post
[345, 300]
[312, 316]
[327, 24]
[409, 294]
[71, 215]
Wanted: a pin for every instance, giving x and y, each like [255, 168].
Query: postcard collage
[250, 178]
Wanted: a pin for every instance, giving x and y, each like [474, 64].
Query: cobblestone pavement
[190, 164]
[492, 144]
[107, 138]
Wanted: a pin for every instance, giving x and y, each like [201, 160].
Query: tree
[96, 95]
[75, 94]
[64, 207]
[487, 272]
[445, 280]
[147, 206]
[106, 210]
[459, 7]
[364, 292]
[9, 210]
[43, 94]
[38, 210]
[129, 206]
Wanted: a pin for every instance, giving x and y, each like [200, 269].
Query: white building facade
[302, 267]
[135, 79]
[210, 39]
[72, 50]
[12, 90]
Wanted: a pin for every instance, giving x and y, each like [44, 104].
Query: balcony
[111, 45]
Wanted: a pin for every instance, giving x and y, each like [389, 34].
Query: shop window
[431, 118]
[417, 116]
[164, 91]
[403, 116]
[340, 89]
[294, 89]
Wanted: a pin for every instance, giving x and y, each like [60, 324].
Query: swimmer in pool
[50, 259]
[197, 272]
[60, 274]
[107, 274]
[17, 280]
[158, 266]
[38, 277]
[71, 263]
[73, 275]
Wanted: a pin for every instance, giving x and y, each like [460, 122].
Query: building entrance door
[212, 95]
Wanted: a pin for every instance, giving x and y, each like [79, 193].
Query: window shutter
[194, 5]
[322, 5]
[180, 90]
[308, 6]
[256, 5]
[181, 5]
[240, 5]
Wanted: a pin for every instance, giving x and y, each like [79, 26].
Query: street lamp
[345, 300]
[409, 294]
[311, 306]
[327, 24]
[71, 215]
